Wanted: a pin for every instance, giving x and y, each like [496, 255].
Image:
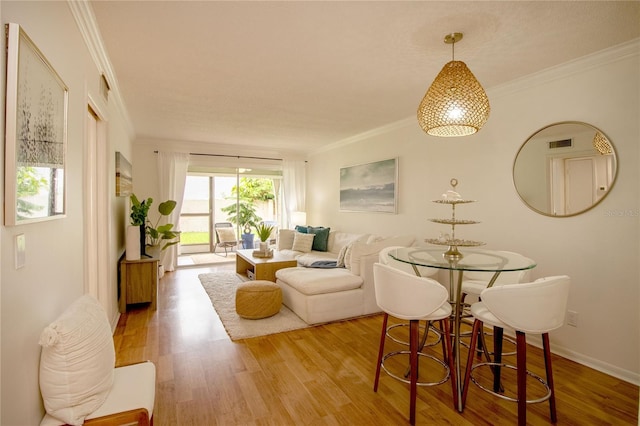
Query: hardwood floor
[321, 375]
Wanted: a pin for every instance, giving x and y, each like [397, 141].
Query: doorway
[231, 196]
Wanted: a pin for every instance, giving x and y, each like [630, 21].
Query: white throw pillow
[340, 262]
[302, 242]
[285, 239]
[77, 361]
[347, 256]
[226, 235]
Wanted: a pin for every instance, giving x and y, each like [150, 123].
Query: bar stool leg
[547, 365]
[497, 356]
[521, 349]
[413, 361]
[383, 335]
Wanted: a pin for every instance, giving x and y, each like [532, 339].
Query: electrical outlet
[572, 318]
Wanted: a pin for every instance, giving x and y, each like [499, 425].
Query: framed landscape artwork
[370, 187]
[36, 134]
[124, 183]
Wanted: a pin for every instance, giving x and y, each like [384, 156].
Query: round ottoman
[258, 299]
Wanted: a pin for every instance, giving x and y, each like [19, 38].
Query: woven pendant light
[455, 104]
[601, 144]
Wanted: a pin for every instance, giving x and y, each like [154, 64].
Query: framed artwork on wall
[370, 187]
[36, 134]
[124, 183]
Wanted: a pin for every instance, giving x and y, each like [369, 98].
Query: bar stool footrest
[420, 354]
[512, 367]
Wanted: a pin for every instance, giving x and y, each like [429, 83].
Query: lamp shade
[299, 218]
[455, 104]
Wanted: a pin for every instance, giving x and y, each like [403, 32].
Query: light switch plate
[20, 250]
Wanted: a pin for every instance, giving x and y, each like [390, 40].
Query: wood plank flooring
[321, 375]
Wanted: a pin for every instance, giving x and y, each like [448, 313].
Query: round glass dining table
[470, 259]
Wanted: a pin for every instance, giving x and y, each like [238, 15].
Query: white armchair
[78, 381]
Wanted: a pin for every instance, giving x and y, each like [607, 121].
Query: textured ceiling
[295, 76]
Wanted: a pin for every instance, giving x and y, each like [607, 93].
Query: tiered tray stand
[453, 254]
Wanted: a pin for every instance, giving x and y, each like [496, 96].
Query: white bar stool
[412, 298]
[538, 307]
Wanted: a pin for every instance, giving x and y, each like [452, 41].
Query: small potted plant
[264, 232]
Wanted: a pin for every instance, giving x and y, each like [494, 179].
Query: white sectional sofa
[320, 294]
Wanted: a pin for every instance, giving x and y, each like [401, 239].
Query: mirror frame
[532, 138]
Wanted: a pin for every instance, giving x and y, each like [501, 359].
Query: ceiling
[297, 76]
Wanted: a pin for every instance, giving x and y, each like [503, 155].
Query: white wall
[598, 249]
[52, 278]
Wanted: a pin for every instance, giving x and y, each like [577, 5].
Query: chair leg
[448, 356]
[383, 335]
[547, 365]
[521, 349]
[413, 361]
[497, 356]
[477, 327]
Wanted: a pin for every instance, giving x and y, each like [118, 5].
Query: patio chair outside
[225, 236]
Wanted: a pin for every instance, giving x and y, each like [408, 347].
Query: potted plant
[136, 233]
[264, 232]
[245, 217]
[162, 233]
[157, 233]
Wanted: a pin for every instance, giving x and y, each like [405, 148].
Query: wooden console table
[139, 281]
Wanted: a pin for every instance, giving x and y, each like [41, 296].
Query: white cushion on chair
[76, 365]
[226, 235]
[133, 388]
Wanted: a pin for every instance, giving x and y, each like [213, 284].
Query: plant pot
[264, 246]
[247, 241]
[132, 243]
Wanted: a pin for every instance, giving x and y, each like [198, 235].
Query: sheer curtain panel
[294, 185]
[172, 175]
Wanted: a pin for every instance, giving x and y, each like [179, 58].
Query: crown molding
[400, 124]
[565, 70]
[86, 21]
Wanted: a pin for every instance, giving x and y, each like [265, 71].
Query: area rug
[221, 288]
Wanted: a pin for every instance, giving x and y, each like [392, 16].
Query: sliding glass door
[240, 197]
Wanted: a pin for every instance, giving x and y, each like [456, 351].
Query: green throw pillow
[302, 229]
[321, 239]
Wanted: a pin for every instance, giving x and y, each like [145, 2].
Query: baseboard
[596, 364]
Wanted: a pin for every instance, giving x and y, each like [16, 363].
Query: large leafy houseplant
[157, 233]
[245, 216]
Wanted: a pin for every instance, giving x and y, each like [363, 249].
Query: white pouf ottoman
[258, 299]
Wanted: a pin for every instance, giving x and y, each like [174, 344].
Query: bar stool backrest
[536, 307]
[404, 295]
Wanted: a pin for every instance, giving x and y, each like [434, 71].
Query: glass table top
[473, 259]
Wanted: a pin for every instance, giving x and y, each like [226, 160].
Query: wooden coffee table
[258, 268]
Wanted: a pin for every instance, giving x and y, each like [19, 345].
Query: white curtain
[172, 176]
[293, 185]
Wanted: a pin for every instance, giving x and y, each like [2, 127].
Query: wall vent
[564, 143]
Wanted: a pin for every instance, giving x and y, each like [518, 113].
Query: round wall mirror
[565, 169]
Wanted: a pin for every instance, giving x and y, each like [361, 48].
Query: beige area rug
[221, 288]
[198, 259]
